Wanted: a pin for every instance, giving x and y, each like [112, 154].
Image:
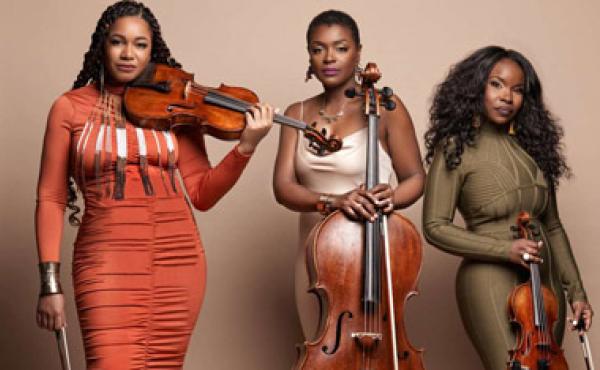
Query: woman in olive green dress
[494, 150]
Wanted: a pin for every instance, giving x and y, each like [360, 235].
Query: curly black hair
[331, 17]
[458, 101]
[94, 60]
[94, 57]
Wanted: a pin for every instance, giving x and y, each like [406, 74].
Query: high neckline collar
[494, 129]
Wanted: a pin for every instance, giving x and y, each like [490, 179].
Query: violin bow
[585, 345]
[63, 348]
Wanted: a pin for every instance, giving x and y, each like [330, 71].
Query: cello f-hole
[338, 333]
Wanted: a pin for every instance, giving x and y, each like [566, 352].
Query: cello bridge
[367, 340]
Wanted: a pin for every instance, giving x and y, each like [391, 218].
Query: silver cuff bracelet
[50, 278]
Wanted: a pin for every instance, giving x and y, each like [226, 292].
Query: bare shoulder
[293, 110]
[399, 117]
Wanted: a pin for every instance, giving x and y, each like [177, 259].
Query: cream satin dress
[334, 173]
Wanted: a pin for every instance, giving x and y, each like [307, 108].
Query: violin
[533, 308]
[164, 97]
[363, 274]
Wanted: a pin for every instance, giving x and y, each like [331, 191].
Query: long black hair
[94, 57]
[458, 102]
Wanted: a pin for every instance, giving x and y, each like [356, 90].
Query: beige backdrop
[248, 320]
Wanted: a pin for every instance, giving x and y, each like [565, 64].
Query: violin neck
[241, 106]
[538, 298]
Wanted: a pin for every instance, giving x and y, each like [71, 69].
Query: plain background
[248, 320]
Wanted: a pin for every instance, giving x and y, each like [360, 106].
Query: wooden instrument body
[181, 102]
[533, 310]
[529, 339]
[335, 251]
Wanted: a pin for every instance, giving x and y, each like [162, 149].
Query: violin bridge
[367, 340]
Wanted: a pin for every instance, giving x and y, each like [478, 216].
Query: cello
[363, 274]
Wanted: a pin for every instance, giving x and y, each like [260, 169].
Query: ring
[526, 257]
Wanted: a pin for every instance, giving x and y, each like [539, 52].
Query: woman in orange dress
[138, 265]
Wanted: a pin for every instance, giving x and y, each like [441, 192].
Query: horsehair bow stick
[585, 345]
[63, 348]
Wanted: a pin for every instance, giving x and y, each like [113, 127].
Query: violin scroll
[319, 142]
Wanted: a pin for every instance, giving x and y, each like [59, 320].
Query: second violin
[534, 310]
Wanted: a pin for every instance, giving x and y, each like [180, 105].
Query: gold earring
[476, 121]
[101, 79]
[357, 72]
[511, 129]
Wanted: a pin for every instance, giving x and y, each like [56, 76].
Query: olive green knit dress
[494, 181]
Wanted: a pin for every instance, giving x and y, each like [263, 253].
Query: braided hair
[94, 60]
[94, 57]
[458, 101]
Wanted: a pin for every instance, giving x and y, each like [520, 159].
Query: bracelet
[50, 278]
[325, 204]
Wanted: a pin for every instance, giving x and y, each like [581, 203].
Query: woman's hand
[581, 310]
[51, 312]
[258, 123]
[524, 250]
[383, 195]
[357, 204]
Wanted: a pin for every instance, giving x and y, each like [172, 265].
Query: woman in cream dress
[314, 184]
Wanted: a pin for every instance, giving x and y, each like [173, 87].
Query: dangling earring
[476, 121]
[309, 73]
[101, 79]
[357, 72]
[511, 129]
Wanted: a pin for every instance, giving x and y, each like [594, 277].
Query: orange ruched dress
[138, 264]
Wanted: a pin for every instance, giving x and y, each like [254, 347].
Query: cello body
[335, 251]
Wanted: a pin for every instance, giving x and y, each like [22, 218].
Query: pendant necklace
[331, 118]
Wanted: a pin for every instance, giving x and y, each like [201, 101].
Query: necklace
[330, 118]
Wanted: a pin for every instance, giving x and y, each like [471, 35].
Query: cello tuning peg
[387, 92]
[389, 105]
